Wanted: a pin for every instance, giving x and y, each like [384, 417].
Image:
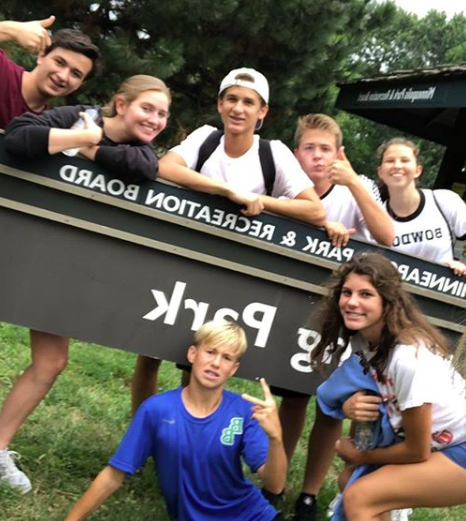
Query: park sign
[140, 267]
[425, 102]
[429, 103]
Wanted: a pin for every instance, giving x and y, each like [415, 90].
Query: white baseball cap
[258, 82]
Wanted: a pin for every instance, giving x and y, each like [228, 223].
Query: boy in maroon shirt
[63, 62]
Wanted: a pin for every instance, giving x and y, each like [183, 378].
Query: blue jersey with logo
[199, 460]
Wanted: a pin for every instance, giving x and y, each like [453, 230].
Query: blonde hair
[220, 333]
[132, 87]
[318, 122]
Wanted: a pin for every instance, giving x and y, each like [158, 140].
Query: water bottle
[94, 115]
[363, 435]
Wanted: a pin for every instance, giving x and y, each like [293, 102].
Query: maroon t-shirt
[12, 103]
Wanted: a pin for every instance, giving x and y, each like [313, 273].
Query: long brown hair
[404, 322]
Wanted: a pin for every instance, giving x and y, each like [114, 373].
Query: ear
[120, 104]
[219, 104]
[263, 111]
[40, 57]
[191, 354]
[234, 368]
[418, 173]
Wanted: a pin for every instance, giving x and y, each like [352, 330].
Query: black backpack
[265, 155]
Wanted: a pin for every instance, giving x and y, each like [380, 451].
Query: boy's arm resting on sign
[32, 36]
[172, 167]
[306, 207]
[105, 484]
[377, 220]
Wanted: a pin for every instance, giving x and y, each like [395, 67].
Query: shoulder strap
[207, 148]
[265, 156]
[447, 222]
[267, 164]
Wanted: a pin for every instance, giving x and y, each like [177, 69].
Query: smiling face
[145, 117]
[361, 307]
[212, 365]
[240, 108]
[61, 72]
[316, 152]
[399, 168]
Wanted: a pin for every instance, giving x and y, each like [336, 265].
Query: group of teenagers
[399, 375]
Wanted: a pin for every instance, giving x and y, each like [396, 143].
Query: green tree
[405, 42]
[300, 45]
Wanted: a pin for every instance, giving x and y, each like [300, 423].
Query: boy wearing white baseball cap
[233, 168]
[256, 173]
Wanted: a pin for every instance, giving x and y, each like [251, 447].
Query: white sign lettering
[256, 315]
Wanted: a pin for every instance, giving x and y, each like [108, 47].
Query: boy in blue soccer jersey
[198, 436]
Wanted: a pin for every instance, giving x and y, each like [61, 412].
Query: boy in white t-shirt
[234, 170]
[352, 203]
[353, 208]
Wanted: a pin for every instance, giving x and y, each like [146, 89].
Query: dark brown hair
[404, 322]
[381, 151]
[76, 41]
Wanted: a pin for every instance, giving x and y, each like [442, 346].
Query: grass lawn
[73, 432]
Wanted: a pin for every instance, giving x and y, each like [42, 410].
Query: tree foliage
[304, 47]
[405, 42]
[301, 46]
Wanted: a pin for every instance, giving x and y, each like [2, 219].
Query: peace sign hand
[265, 412]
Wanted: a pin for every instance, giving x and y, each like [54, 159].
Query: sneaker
[10, 474]
[332, 505]
[401, 515]
[273, 499]
[305, 508]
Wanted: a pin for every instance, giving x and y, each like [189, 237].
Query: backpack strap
[207, 148]
[267, 165]
[265, 156]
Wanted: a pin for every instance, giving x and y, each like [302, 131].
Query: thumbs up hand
[33, 36]
[340, 171]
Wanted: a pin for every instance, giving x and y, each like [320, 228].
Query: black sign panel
[141, 267]
[399, 93]
[73, 282]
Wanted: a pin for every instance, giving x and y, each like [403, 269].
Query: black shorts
[287, 393]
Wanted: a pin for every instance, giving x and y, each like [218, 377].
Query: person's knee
[353, 498]
[46, 370]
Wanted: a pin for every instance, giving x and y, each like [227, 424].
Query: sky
[421, 7]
